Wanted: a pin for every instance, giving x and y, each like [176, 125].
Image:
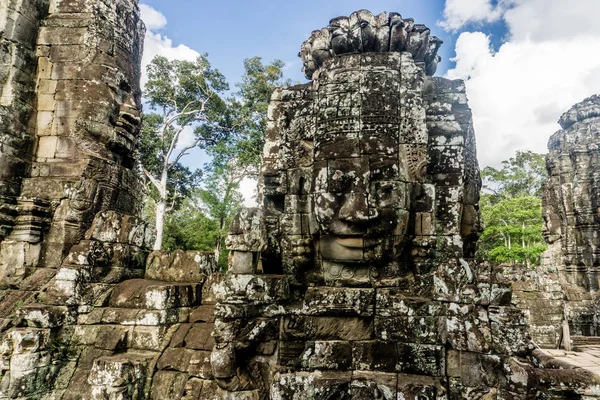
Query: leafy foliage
[521, 175]
[189, 228]
[202, 221]
[248, 117]
[182, 95]
[511, 207]
[513, 230]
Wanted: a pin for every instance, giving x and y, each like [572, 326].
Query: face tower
[354, 278]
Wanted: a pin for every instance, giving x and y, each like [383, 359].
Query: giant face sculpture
[361, 198]
[360, 206]
[102, 106]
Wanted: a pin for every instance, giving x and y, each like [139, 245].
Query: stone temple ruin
[353, 279]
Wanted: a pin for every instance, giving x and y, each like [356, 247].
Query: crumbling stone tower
[571, 224]
[354, 279]
[71, 113]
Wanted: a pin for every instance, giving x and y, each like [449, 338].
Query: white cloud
[248, 190]
[472, 49]
[153, 19]
[458, 13]
[543, 20]
[157, 44]
[518, 93]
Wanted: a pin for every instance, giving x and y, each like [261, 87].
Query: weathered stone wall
[84, 100]
[571, 196]
[539, 293]
[19, 24]
[70, 112]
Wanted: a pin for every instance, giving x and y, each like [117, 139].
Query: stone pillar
[19, 23]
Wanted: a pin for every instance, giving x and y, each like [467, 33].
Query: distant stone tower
[571, 206]
[354, 278]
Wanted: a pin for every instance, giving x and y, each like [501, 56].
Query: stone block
[117, 371]
[412, 329]
[421, 387]
[175, 359]
[319, 355]
[339, 301]
[180, 266]
[199, 337]
[326, 328]
[253, 289]
[421, 359]
[395, 302]
[203, 314]
[43, 316]
[146, 294]
[25, 340]
[374, 355]
[242, 262]
[46, 147]
[168, 385]
[148, 337]
[468, 328]
[474, 369]
[304, 385]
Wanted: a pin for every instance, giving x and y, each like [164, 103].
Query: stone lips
[363, 32]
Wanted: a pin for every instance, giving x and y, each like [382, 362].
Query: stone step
[134, 316]
[155, 295]
[585, 340]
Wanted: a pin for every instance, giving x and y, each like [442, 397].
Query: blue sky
[525, 62]
[230, 31]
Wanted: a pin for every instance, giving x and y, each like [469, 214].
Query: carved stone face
[109, 108]
[361, 213]
[127, 123]
[360, 207]
[361, 194]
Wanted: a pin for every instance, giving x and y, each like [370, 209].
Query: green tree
[521, 175]
[243, 147]
[202, 221]
[511, 208]
[182, 95]
[513, 231]
[189, 228]
[221, 199]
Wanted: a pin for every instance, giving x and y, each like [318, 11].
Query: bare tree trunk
[219, 239]
[161, 209]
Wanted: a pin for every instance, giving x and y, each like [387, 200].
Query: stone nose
[355, 209]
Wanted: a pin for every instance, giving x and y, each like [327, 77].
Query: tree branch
[150, 177]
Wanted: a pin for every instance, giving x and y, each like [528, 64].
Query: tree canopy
[511, 207]
[187, 103]
[521, 175]
[248, 114]
[184, 96]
